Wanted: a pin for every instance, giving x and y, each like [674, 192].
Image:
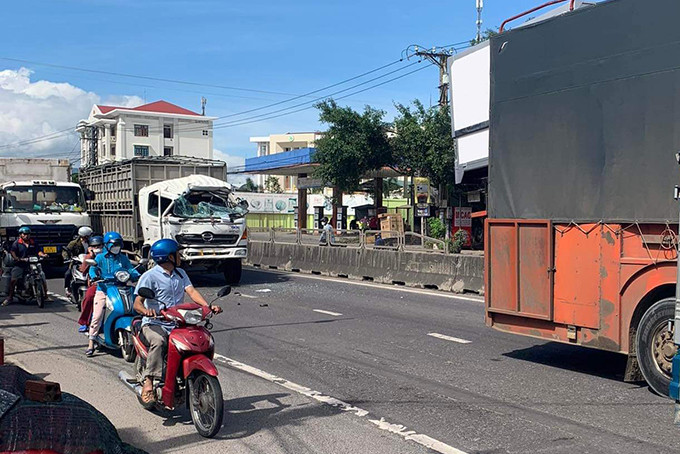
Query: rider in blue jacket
[109, 261]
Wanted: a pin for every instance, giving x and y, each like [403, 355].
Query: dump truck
[186, 199]
[581, 239]
[38, 193]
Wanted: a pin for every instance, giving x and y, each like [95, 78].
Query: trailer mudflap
[520, 287]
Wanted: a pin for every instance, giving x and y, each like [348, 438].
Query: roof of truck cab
[178, 186]
[38, 182]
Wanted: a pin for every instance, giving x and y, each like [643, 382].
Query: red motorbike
[190, 376]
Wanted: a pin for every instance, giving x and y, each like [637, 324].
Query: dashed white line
[248, 296]
[321, 311]
[397, 429]
[449, 338]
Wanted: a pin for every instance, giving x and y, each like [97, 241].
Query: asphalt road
[403, 369]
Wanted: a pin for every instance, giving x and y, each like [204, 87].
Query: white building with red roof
[113, 133]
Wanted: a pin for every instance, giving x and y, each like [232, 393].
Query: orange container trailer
[581, 238]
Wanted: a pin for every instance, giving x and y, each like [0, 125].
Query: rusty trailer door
[519, 258]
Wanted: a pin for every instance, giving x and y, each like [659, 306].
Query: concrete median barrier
[455, 272]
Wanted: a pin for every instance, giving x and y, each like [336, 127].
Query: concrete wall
[455, 273]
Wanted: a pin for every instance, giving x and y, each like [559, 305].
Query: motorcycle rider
[76, 247]
[22, 248]
[169, 282]
[109, 261]
[96, 244]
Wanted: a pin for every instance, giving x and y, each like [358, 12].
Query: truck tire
[654, 345]
[232, 271]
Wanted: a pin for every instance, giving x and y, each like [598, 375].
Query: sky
[266, 51]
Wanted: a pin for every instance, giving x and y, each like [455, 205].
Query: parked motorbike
[78, 281]
[116, 331]
[190, 376]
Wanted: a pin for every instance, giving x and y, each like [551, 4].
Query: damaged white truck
[186, 199]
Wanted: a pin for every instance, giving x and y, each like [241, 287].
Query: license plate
[50, 249]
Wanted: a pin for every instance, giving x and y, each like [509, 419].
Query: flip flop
[148, 396]
[89, 352]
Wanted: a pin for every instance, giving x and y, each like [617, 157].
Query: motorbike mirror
[146, 293]
[91, 262]
[224, 291]
[144, 262]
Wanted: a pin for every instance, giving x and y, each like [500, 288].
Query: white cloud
[32, 109]
[233, 163]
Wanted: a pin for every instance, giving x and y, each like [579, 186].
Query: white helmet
[84, 232]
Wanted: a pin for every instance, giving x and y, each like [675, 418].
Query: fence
[368, 239]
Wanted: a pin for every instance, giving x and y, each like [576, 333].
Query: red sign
[462, 220]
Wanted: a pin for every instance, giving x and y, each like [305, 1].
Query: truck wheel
[232, 271]
[654, 345]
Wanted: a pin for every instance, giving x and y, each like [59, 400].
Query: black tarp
[585, 115]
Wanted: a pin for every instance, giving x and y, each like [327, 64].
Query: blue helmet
[162, 249]
[112, 239]
[25, 229]
[96, 241]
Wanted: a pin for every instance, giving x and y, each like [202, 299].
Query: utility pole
[203, 103]
[480, 6]
[438, 57]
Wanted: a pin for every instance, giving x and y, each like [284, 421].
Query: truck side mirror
[89, 194]
[243, 204]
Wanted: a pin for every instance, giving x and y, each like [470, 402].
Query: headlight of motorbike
[193, 317]
[33, 260]
[122, 276]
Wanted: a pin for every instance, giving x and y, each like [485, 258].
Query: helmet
[25, 229]
[111, 239]
[161, 249]
[84, 232]
[96, 241]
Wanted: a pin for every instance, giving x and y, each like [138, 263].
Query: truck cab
[53, 210]
[203, 215]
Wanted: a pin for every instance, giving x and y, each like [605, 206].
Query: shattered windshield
[204, 205]
[26, 199]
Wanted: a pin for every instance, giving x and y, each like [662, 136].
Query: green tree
[353, 144]
[271, 184]
[486, 34]
[249, 186]
[423, 145]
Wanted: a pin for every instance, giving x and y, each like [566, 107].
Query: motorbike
[190, 376]
[78, 281]
[31, 286]
[116, 331]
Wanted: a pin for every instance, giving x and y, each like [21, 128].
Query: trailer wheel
[654, 345]
[232, 271]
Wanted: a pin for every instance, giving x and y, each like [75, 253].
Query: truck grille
[48, 235]
[207, 239]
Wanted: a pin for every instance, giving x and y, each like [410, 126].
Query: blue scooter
[116, 330]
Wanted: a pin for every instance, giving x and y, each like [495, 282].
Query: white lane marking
[248, 296]
[320, 311]
[424, 440]
[479, 299]
[400, 430]
[264, 290]
[449, 338]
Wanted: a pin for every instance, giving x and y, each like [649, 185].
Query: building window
[264, 149]
[286, 149]
[167, 131]
[142, 131]
[113, 130]
[167, 151]
[206, 132]
[141, 150]
[113, 151]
